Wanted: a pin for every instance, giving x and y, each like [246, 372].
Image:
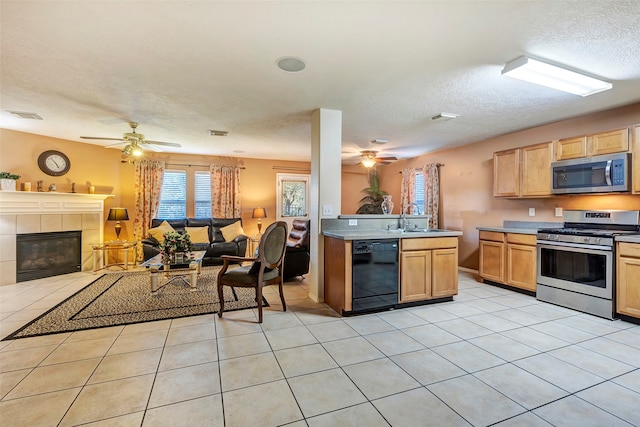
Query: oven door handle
[551, 245]
[607, 172]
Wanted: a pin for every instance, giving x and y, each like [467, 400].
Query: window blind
[173, 198]
[420, 190]
[202, 195]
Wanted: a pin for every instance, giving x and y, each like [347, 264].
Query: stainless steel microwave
[598, 174]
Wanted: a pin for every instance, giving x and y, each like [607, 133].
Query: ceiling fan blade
[386, 158]
[114, 145]
[99, 137]
[150, 148]
[168, 144]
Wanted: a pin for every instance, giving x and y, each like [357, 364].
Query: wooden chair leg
[221, 299]
[259, 300]
[284, 305]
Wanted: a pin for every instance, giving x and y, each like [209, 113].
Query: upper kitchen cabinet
[536, 170]
[635, 168]
[571, 148]
[613, 141]
[506, 173]
[523, 172]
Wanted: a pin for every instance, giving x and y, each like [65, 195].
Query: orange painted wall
[95, 165]
[467, 180]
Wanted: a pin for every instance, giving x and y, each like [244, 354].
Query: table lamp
[259, 213]
[118, 214]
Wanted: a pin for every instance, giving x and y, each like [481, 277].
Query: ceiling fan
[369, 159]
[135, 141]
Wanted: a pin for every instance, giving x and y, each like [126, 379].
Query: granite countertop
[631, 239]
[384, 234]
[521, 227]
[509, 230]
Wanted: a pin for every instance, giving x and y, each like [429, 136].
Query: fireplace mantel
[32, 202]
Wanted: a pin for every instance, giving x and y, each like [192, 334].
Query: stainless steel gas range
[576, 264]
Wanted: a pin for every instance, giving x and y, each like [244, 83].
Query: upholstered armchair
[266, 268]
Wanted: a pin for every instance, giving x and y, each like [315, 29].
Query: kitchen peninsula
[371, 265]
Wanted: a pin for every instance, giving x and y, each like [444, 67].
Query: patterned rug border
[212, 271]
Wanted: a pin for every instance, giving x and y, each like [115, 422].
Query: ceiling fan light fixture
[368, 162]
[443, 117]
[553, 76]
[137, 151]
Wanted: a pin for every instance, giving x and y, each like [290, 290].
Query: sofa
[216, 246]
[296, 259]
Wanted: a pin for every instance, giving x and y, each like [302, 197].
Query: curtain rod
[203, 166]
[437, 164]
[290, 168]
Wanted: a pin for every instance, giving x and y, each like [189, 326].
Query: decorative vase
[7, 184]
[387, 205]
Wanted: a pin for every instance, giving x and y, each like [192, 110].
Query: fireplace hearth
[42, 255]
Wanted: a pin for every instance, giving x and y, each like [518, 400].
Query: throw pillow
[158, 232]
[232, 231]
[198, 234]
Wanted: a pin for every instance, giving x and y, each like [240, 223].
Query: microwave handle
[607, 172]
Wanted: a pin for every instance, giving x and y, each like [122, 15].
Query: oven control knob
[597, 240]
[587, 239]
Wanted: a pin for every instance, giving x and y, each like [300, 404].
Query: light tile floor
[490, 357]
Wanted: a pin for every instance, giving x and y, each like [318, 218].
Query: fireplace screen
[41, 255]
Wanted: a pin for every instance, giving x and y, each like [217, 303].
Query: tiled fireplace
[33, 212]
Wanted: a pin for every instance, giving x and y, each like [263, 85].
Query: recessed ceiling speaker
[290, 64]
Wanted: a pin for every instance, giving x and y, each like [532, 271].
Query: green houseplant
[8, 181]
[174, 242]
[372, 202]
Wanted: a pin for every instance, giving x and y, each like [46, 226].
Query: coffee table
[187, 271]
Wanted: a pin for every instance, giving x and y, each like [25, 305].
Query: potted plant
[8, 181]
[175, 242]
[372, 202]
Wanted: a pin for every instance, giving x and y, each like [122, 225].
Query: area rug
[124, 298]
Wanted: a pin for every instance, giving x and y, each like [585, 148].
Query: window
[173, 198]
[202, 195]
[420, 190]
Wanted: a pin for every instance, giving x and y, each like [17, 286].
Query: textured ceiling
[180, 68]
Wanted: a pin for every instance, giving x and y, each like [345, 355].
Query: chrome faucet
[403, 218]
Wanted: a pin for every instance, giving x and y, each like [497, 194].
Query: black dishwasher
[374, 275]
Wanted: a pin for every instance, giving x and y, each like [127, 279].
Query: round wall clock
[54, 163]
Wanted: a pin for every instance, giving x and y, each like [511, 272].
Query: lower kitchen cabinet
[428, 268]
[509, 259]
[628, 280]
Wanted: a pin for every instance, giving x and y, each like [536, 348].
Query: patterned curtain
[148, 187]
[408, 188]
[431, 173]
[225, 191]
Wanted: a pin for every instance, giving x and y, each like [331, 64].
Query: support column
[326, 184]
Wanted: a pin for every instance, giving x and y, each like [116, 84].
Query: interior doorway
[292, 197]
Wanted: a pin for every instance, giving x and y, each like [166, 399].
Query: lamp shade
[118, 214]
[259, 213]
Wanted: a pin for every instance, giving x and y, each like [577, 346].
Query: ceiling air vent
[24, 115]
[214, 132]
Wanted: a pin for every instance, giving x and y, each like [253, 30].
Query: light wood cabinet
[571, 148]
[614, 141]
[628, 279]
[428, 268]
[492, 256]
[523, 172]
[635, 168]
[506, 173]
[536, 170]
[509, 259]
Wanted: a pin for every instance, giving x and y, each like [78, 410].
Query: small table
[117, 245]
[193, 267]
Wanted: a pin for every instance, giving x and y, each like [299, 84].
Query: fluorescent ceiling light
[552, 76]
